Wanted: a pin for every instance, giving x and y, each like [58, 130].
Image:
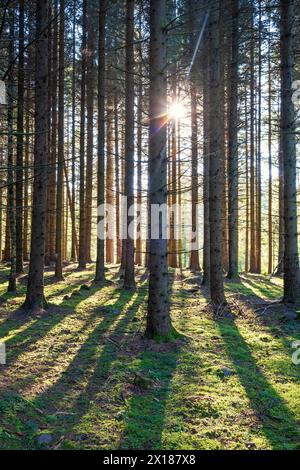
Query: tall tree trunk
[1, 203]
[60, 153]
[129, 281]
[173, 183]
[279, 270]
[117, 178]
[110, 176]
[100, 264]
[216, 158]
[82, 214]
[158, 319]
[288, 117]
[194, 260]
[224, 167]
[270, 183]
[253, 264]
[247, 185]
[90, 132]
[72, 209]
[10, 160]
[138, 256]
[6, 252]
[206, 159]
[180, 246]
[35, 289]
[51, 190]
[26, 181]
[259, 142]
[233, 145]
[20, 145]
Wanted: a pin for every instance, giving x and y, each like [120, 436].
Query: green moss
[71, 373]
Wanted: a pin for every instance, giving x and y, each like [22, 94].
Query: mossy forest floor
[81, 376]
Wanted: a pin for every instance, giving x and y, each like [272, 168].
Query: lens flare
[176, 111]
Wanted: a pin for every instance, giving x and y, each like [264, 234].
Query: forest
[149, 202]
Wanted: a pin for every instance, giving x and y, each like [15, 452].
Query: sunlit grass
[229, 384]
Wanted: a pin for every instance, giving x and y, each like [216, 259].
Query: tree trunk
[158, 318]
[259, 142]
[20, 145]
[138, 256]
[216, 159]
[1, 203]
[60, 153]
[82, 214]
[253, 265]
[26, 182]
[100, 264]
[279, 270]
[270, 189]
[194, 260]
[129, 281]
[10, 161]
[74, 253]
[233, 145]
[35, 299]
[288, 118]
[109, 176]
[90, 132]
[117, 178]
[247, 185]
[51, 190]
[206, 159]
[173, 183]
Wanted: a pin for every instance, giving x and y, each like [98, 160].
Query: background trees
[112, 72]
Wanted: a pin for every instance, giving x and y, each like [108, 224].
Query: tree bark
[20, 145]
[51, 182]
[158, 318]
[206, 159]
[109, 174]
[288, 117]
[216, 158]
[129, 280]
[233, 145]
[74, 252]
[90, 132]
[82, 212]
[117, 178]
[10, 160]
[100, 263]
[35, 299]
[60, 153]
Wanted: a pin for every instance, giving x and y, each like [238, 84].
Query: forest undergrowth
[82, 376]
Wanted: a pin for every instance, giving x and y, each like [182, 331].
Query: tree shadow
[263, 287]
[270, 314]
[77, 387]
[146, 412]
[144, 419]
[26, 339]
[276, 420]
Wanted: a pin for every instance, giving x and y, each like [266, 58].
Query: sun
[176, 111]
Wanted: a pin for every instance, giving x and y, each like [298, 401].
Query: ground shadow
[276, 420]
[41, 326]
[146, 413]
[89, 370]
